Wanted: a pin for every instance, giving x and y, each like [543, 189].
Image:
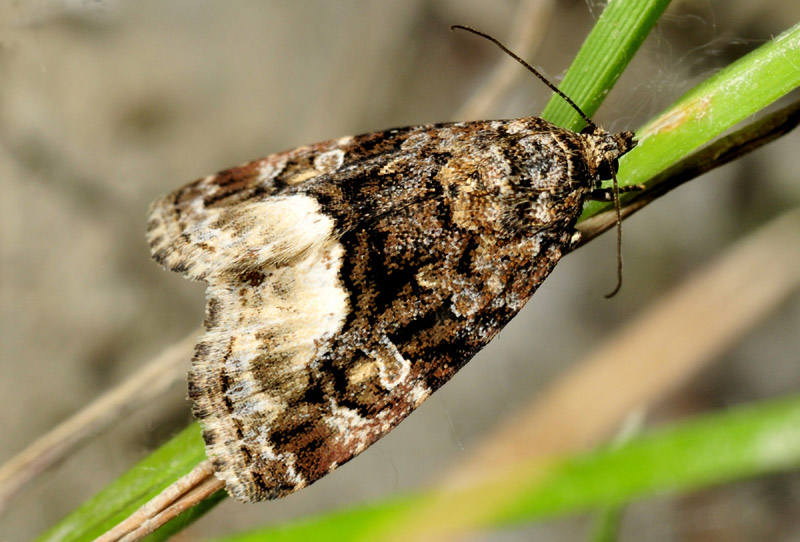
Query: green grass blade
[740, 90]
[120, 498]
[613, 41]
[739, 443]
[607, 525]
[743, 442]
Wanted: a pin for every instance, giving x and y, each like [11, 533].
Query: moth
[350, 279]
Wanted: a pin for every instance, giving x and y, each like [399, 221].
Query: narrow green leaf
[721, 447]
[352, 525]
[613, 41]
[740, 90]
[137, 486]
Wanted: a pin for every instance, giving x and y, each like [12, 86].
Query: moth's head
[605, 149]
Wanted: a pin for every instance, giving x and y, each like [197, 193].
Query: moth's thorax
[526, 176]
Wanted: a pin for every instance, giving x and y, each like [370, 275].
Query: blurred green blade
[743, 442]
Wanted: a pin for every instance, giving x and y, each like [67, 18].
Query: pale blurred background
[104, 105]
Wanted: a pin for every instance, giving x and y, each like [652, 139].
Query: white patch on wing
[418, 394]
[354, 430]
[276, 297]
[206, 241]
[330, 161]
[268, 170]
[344, 141]
[393, 368]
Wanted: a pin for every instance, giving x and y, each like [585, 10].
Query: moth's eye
[606, 169]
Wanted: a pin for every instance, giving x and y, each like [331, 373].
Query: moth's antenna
[530, 68]
[583, 115]
[619, 235]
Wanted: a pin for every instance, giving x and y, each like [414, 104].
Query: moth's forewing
[350, 279]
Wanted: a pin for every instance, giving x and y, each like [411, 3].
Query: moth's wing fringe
[206, 228]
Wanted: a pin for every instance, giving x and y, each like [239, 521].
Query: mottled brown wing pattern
[350, 279]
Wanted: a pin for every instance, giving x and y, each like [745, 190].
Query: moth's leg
[607, 194]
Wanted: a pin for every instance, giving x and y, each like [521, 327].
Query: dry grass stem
[153, 380]
[178, 497]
